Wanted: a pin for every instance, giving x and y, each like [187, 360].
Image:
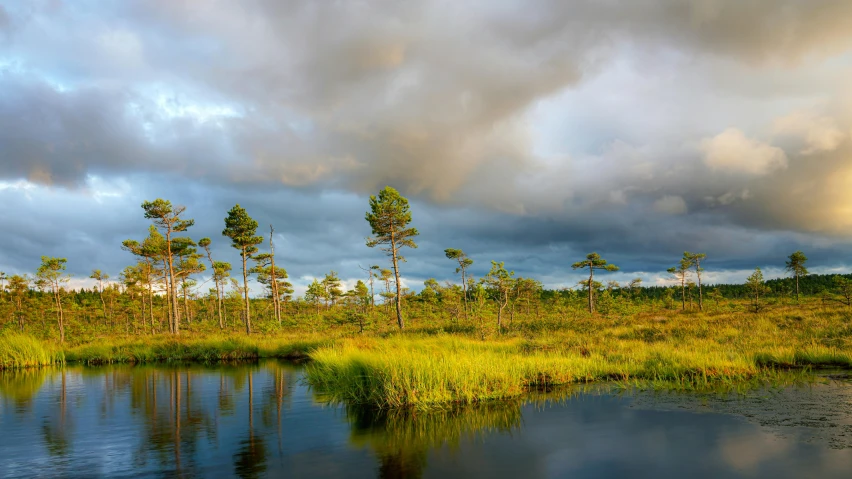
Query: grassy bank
[689, 351]
[436, 363]
[204, 349]
[429, 372]
[22, 351]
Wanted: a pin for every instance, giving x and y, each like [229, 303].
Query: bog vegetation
[378, 343]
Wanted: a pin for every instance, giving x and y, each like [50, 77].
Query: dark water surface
[259, 420]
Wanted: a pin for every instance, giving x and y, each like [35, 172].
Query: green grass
[22, 351]
[435, 371]
[203, 349]
[693, 351]
[437, 362]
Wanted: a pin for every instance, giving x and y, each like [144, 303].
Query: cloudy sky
[525, 132]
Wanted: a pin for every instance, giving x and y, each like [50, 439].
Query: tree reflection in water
[190, 420]
[402, 439]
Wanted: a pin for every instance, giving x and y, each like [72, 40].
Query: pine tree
[100, 277]
[18, 287]
[331, 287]
[275, 280]
[756, 287]
[150, 252]
[501, 283]
[52, 273]
[464, 263]
[314, 294]
[593, 261]
[796, 266]
[221, 271]
[242, 229]
[389, 217]
[681, 274]
[167, 218]
[694, 260]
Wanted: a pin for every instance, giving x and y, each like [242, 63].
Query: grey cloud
[427, 96]
[316, 233]
[298, 109]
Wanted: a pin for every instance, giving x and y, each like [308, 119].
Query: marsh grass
[20, 351]
[204, 349]
[688, 352]
[435, 371]
[23, 351]
[440, 363]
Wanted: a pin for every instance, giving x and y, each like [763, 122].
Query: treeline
[810, 285]
[166, 290]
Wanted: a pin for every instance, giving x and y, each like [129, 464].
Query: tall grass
[203, 349]
[22, 351]
[437, 371]
[682, 351]
[435, 364]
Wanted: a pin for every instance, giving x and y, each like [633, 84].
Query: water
[259, 420]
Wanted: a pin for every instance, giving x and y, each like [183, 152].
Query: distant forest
[810, 285]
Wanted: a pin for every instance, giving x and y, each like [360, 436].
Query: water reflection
[402, 439]
[259, 420]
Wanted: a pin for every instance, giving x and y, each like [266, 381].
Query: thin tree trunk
[61, 315]
[219, 304]
[224, 307]
[245, 292]
[101, 293]
[500, 315]
[399, 319]
[151, 305]
[464, 292]
[698, 275]
[142, 309]
[169, 301]
[797, 287]
[591, 285]
[172, 287]
[275, 305]
[168, 296]
[185, 303]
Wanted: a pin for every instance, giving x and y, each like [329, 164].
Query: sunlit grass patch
[22, 351]
[435, 371]
[203, 349]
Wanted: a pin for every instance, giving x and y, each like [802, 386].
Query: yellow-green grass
[436, 371]
[19, 351]
[205, 349]
[22, 351]
[426, 367]
[688, 351]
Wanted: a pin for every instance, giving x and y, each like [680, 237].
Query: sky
[528, 132]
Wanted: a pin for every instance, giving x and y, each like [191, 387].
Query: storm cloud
[525, 132]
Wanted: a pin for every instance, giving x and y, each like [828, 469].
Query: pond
[260, 420]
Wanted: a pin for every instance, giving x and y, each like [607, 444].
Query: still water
[260, 420]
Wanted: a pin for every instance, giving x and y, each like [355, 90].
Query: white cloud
[731, 151]
[821, 133]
